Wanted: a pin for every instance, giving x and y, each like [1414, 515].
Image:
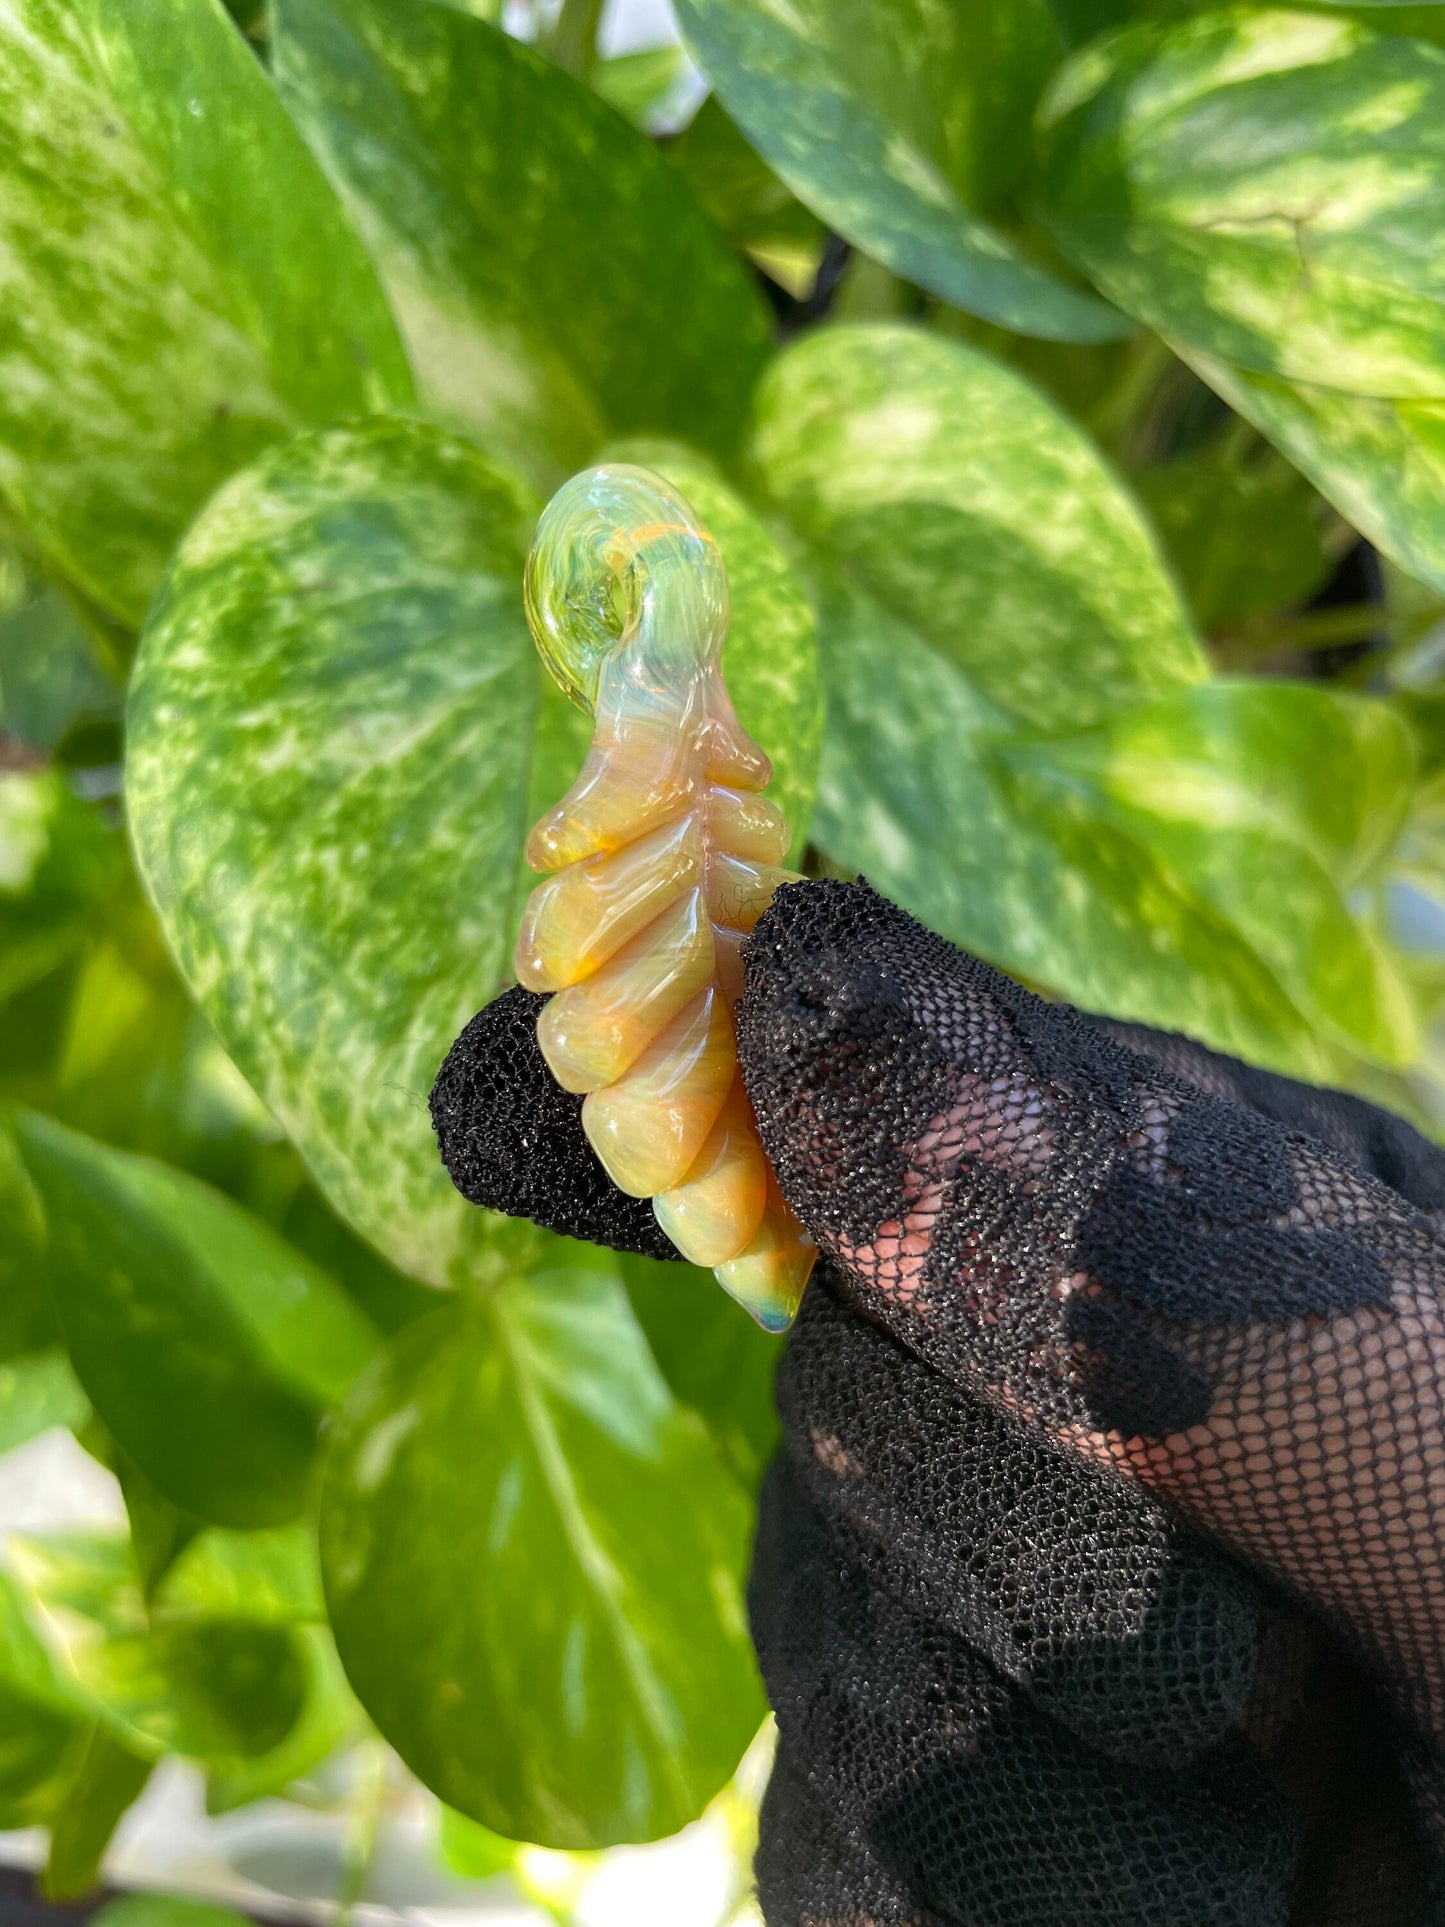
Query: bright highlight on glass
[663, 855]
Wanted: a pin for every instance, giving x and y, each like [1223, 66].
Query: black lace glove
[1100, 1583]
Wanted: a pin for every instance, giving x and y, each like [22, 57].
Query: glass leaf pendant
[660, 859]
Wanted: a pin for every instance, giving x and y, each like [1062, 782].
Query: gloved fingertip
[841, 1076]
[512, 1140]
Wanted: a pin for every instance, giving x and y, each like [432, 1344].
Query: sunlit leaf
[207, 1345]
[474, 1852]
[38, 1391]
[534, 1562]
[1266, 186]
[641, 84]
[896, 121]
[1268, 801]
[270, 1578]
[908, 798]
[517, 221]
[1267, 190]
[951, 489]
[985, 575]
[339, 735]
[180, 286]
[205, 1684]
[42, 1730]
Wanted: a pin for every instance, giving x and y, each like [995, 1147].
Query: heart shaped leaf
[181, 286]
[340, 734]
[206, 1344]
[1267, 190]
[1267, 186]
[894, 122]
[936, 476]
[534, 1564]
[517, 220]
[962, 610]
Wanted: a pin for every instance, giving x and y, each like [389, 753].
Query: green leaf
[266, 1579]
[129, 1059]
[181, 286]
[165, 1910]
[329, 1715]
[159, 1531]
[470, 1850]
[1423, 22]
[41, 1729]
[1210, 510]
[898, 123]
[388, 1298]
[1081, 20]
[210, 1687]
[1381, 462]
[641, 84]
[534, 1562]
[719, 1364]
[1271, 800]
[962, 613]
[107, 1779]
[340, 734]
[335, 717]
[954, 492]
[217, 1602]
[554, 277]
[1268, 187]
[57, 860]
[37, 1392]
[269, 1578]
[208, 1347]
[908, 797]
[28, 1320]
[745, 199]
[54, 677]
[736, 187]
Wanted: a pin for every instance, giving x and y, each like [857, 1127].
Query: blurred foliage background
[1065, 383]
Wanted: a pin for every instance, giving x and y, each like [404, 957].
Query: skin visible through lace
[664, 854]
[1170, 1285]
[1015, 1688]
[1100, 1296]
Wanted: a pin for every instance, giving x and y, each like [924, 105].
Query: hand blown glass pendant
[663, 854]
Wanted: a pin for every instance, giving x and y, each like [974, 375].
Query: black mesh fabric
[1100, 1581]
[511, 1138]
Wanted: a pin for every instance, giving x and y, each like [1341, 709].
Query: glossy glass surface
[663, 854]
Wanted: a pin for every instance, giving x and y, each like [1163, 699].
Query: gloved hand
[1100, 1583]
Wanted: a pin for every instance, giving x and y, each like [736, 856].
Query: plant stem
[365, 1827]
[572, 42]
[1146, 361]
[1327, 628]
